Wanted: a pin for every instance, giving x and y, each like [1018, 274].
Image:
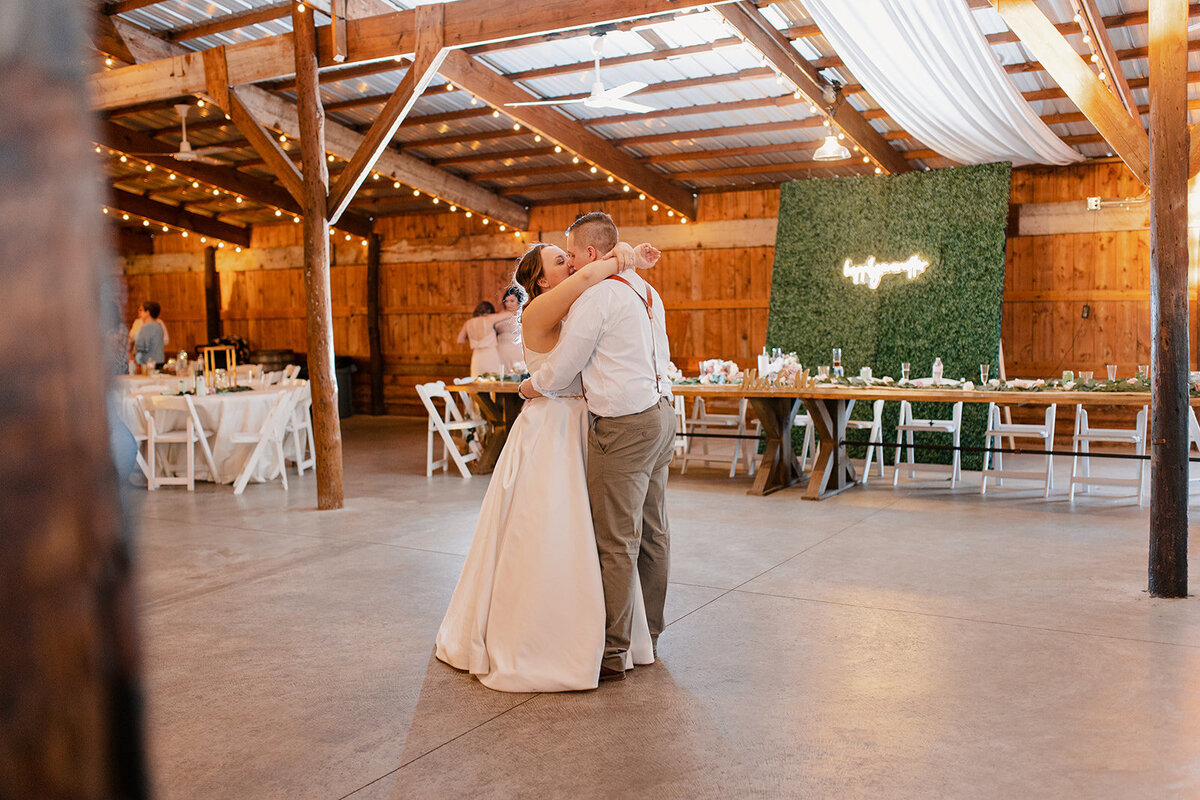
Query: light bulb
[125, 217]
[866, 160]
[238, 200]
[670, 213]
[502, 229]
[203, 239]
[149, 168]
[145, 223]
[195, 184]
[105, 209]
[592, 170]
[165, 228]
[516, 126]
[395, 184]
[1087, 39]
[436, 201]
[296, 220]
[454, 208]
[641, 197]
[1095, 58]
[474, 100]
[374, 176]
[610, 178]
[123, 159]
[221, 245]
[108, 62]
[278, 213]
[331, 156]
[625, 188]
[416, 192]
[468, 215]
[282, 138]
[557, 148]
[537, 138]
[171, 176]
[486, 220]
[654, 207]
[495, 113]
[348, 237]
[199, 104]
[878, 171]
[449, 87]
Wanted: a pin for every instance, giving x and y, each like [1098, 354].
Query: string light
[436, 201]
[97, 148]
[395, 184]
[516, 126]
[468, 215]
[283, 138]
[592, 170]
[454, 208]
[670, 213]
[575, 160]
[237, 249]
[641, 197]
[374, 176]
[278, 213]
[125, 217]
[866, 160]
[216, 192]
[238, 200]
[105, 209]
[683, 220]
[171, 176]
[149, 168]
[557, 148]
[165, 229]
[348, 237]
[474, 100]
[203, 239]
[486, 220]
[878, 171]
[416, 192]
[145, 223]
[331, 158]
[625, 188]
[195, 184]
[537, 138]
[364, 242]
[449, 87]
[300, 7]
[654, 207]
[496, 113]
[502, 229]
[108, 62]
[516, 234]
[296, 220]
[123, 159]
[220, 245]
[610, 179]
[200, 103]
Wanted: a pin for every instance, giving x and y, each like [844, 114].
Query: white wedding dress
[527, 614]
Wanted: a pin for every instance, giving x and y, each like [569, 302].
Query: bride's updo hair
[529, 272]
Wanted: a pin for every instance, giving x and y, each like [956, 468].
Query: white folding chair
[267, 441]
[300, 429]
[681, 438]
[272, 378]
[874, 427]
[807, 449]
[904, 440]
[703, 422]
[291, 372]
[444, 424]
[1193, 441]
[1081, 443]
[188, 436]
[997, 431]
[141, 433]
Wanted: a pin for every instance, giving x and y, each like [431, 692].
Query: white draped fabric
[928, 65]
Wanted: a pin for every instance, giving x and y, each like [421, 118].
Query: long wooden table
[829, 408]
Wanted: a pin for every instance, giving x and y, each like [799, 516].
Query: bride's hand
[645, 255]
[624, 254]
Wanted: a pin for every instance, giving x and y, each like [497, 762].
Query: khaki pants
[628, 460]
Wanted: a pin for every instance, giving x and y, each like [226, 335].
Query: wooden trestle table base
[829, 408]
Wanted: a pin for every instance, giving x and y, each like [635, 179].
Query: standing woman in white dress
[527, 614]
[480, 331]
[507, 341]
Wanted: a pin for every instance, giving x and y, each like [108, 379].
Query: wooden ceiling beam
[430, 52]
[1124, 133]
[778, 51]
[468, 22]
[499, 155]
[230, 22]
[267, 147]
[230, 179]
[176, 217]
[496, 90]
[557, 186]
[281, 115]
[121, 6]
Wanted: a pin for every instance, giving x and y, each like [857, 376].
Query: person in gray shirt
[149, 344]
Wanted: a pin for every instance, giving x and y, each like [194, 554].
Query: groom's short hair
[596, 229]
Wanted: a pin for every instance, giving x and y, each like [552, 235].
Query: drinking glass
[1143, 370]
[1112, 371]
[983, 372]
[905, 369]
[822, 373]
[1086, 377]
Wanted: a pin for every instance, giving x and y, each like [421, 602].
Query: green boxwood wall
[955, 219]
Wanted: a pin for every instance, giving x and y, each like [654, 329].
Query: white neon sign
[871, 272]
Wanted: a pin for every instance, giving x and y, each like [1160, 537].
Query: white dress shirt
[622, 353]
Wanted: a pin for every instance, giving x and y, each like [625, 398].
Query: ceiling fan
[600, 97]
[186, 153]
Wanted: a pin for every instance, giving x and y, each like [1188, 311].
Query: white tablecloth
[222, 416]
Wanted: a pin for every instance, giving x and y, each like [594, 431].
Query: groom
[616, 336]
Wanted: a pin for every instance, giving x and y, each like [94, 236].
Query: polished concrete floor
[910, 643]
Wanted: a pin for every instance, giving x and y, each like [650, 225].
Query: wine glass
[983, 372]
[905, 370]
[1112, 371]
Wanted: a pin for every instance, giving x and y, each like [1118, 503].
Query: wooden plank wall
[437, 267]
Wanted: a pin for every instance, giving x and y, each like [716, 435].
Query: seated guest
[480, 331]
[151, 336]
[507, 331]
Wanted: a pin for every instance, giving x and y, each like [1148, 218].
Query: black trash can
[343, 367]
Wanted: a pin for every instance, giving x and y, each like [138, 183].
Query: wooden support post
[374, 340]
[1168, 298]
[70, 713]
[212, 295]
[327, 429]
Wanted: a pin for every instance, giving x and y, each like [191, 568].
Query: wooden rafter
[125, 140]
[430, 53]
[1094, 22]
[496, 90]
[121, 6]
[747, 21]
[467, 22]
[1125, 134]
[266, 146]
[177, 217]
[230, 22]
[280, 114]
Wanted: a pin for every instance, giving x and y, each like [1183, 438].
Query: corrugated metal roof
[707, 79]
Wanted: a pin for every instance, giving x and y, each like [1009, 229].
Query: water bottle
[937, 370]
[181, 363]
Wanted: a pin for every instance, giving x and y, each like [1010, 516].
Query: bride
[527, 614]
